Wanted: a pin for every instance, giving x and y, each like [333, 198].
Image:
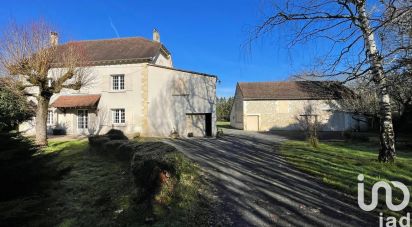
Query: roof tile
[293, 90]
[76, 101]
[116, 49]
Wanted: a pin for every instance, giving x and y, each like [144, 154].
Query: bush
[96, 143]
[14, 107]
[115, 134]
[107, 143]
[151, 170]
[156, 169]
[313, 141]
[59, 131]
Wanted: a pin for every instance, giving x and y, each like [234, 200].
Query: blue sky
[205, 36]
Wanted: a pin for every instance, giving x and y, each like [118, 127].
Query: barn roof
[293, 90]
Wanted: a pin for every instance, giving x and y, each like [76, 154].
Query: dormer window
[117, 82]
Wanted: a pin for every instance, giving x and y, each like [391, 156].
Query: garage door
[196, 124]
[252, 123]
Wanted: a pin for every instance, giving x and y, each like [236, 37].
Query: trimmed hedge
[109, 144]
[153, 164]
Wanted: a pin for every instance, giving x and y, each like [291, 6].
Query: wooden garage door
[252, 123]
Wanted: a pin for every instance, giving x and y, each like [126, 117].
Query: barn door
[252, 123]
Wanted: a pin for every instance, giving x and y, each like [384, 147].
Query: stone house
[136, 89]
[264, 106]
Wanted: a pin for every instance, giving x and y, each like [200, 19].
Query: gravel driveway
[257, 188]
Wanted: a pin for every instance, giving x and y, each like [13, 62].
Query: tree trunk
[387, 136]
[41, 120]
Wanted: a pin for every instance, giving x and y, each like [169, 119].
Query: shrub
[107, 143]
[313, 141]
[14, 107]
[96, 143]
[155, 171]
[115, 134]
[59, 131]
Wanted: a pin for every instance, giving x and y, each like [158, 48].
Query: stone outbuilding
[264, 106]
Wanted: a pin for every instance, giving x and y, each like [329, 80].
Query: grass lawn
[338, 164]
[223, 124]
[79, 188]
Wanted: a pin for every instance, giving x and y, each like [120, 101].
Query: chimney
[156, 35]
[54, 38]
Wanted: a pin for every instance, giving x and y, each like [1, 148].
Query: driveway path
[257, 187]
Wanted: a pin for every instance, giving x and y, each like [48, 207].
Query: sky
[204, 36]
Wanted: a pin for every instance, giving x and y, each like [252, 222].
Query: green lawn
[223, 124]
[79, 188]
[338, 164]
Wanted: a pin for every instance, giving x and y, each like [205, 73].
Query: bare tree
[396, 38]
[30, 54]
[362, 104]
[350, 27]
[309, 122]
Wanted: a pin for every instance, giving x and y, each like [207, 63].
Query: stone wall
[284, 114]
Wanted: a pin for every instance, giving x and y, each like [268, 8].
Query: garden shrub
[115, 134]
[107, 143]
[59, 131]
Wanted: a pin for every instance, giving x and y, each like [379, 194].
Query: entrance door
[82, 121]
[252, 123]
[208, 124]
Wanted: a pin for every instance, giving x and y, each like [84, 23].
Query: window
[118, 116]
[82, 118]
[50, 117]
[117, 82]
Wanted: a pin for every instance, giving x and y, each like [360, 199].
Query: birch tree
[28, 53]
[348, 28]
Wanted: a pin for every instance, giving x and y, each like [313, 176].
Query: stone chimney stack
[156, 35]
[54, 38]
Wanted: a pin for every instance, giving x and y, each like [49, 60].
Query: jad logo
[390, 221]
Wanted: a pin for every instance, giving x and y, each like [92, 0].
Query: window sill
[119, 124]
[117, 91]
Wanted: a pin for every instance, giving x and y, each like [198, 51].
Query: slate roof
[293, 90]
[76, 101]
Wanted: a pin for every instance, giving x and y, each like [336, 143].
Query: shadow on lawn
[62, 184]
[65, 184]
[25, 177]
